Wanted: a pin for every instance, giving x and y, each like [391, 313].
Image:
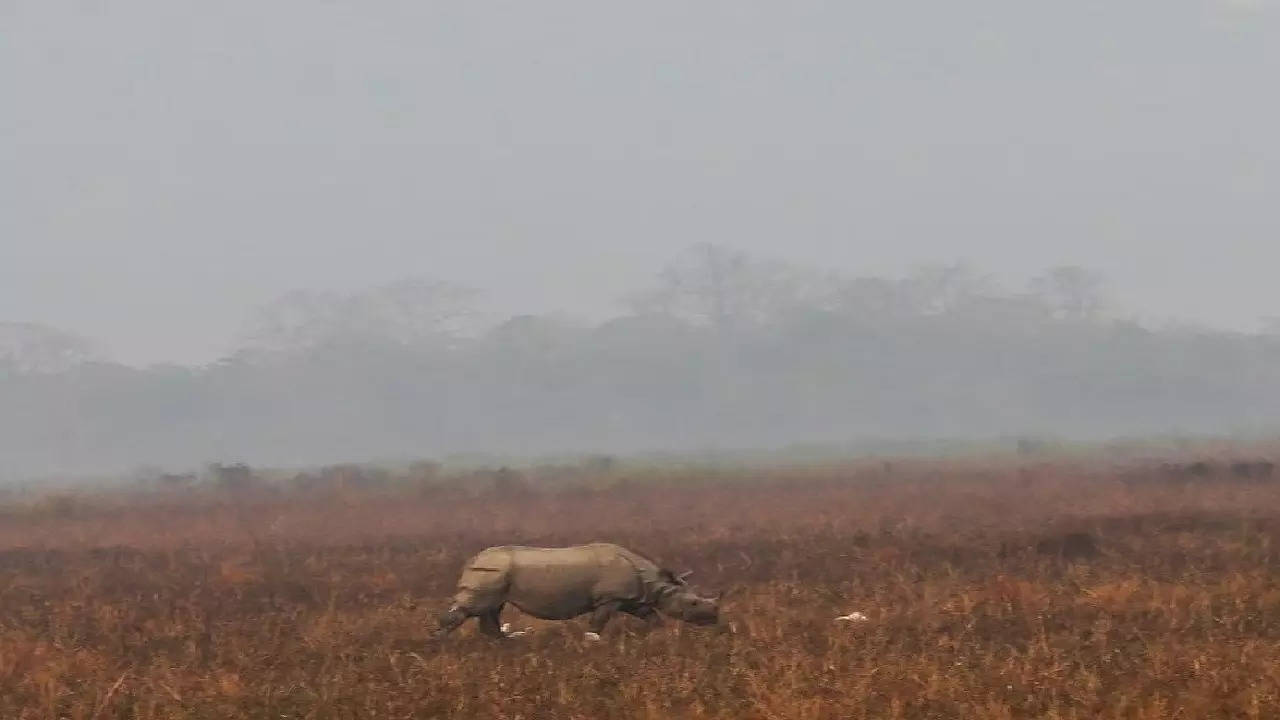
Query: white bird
[591, 637]
[855, 617]
[506, 630]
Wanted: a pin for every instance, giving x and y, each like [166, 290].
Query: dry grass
[189, 603]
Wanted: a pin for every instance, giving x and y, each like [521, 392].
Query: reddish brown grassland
[994, 589]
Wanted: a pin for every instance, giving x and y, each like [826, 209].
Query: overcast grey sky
[166, 165]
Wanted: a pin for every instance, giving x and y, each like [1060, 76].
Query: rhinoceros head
[679, 602]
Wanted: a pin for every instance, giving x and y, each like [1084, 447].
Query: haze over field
[169, 165]
[307, 232]
[939, 341]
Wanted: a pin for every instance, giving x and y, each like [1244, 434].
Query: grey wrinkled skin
[563, 583]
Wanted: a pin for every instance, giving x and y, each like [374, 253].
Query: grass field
[994, 589]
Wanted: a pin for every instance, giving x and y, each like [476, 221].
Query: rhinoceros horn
[684, 576]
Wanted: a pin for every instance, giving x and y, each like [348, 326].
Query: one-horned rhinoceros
[563, 583]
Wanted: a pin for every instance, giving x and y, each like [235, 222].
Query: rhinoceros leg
[646, 613]
[491, 625]
[601, 616]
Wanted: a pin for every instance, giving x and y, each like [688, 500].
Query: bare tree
[413, 311]
[29, 348]
[940, 288]
[870, 298]
[1071, 292]
[727, 289]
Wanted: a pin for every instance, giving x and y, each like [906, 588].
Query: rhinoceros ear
[672, 577]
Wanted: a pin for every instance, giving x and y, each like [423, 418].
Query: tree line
[722, 350]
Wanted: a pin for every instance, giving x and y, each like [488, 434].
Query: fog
[170, 170]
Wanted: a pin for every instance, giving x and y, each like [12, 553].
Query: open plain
[997, 588]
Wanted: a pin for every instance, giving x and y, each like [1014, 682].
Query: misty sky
[166, 165]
